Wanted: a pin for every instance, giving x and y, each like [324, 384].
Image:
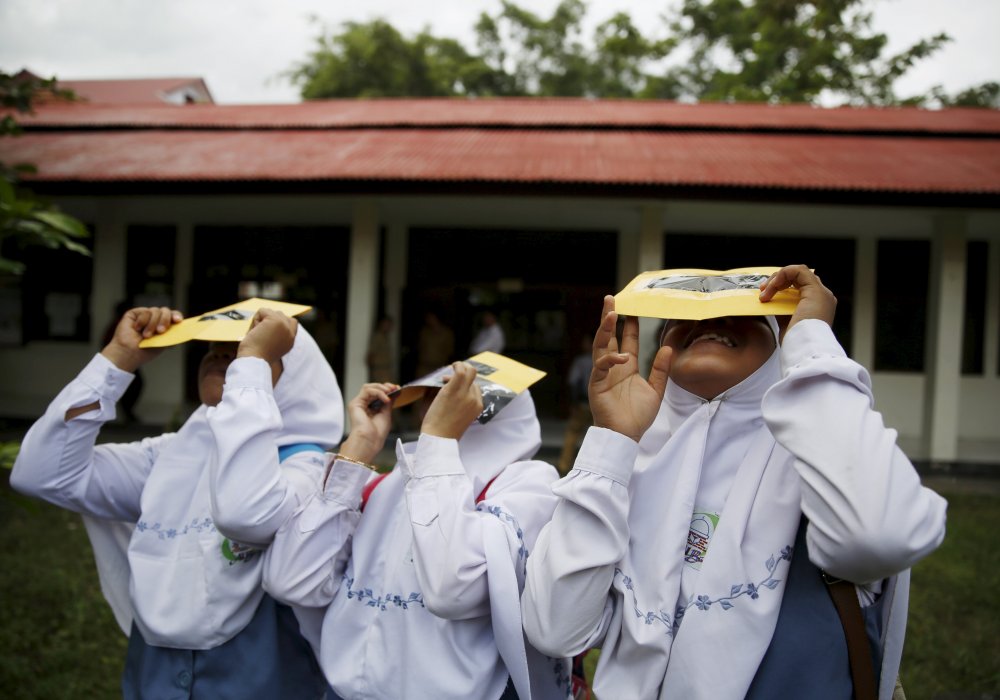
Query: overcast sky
[241, 47]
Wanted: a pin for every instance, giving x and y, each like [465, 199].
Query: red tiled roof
[519, 112]
[128, 91]
[532, 143]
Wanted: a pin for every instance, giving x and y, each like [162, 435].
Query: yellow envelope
[500, 379]
[228, 324]
[695, 294]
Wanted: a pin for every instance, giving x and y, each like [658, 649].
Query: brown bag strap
[845, 598]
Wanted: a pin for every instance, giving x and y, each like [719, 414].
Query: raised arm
[252, 494]
[869, 516]
[566, 602]
[310, 551]
[58, 460]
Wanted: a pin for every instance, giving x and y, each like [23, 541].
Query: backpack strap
[845, 599]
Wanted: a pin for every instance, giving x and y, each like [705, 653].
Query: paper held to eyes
[696, 294]
[228, 324]
[499, 378]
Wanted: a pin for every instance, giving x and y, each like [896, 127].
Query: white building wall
[30, 376]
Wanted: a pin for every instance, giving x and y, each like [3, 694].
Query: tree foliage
[710, 50]
[26, 219]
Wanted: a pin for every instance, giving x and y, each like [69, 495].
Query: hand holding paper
[815, 300]
[456, 406]
[271, 336]
[226, 325]
[127, 349]
[369, 426]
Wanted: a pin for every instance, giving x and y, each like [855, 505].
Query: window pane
[149, 271]
[974, 329]
[55, 291]
[901, 305]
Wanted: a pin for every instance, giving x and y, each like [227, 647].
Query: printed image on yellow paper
[228, 324]
[500, 379]
[695, 294]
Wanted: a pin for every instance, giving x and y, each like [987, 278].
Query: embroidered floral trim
[561, 669]
[704, 602]
[522, 551]
[382, 602]
[169, 533]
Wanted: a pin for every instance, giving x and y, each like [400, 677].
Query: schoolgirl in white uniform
[689, 535]
[201, 624]
[421, 589]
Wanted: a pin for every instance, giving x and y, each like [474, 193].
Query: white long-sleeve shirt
[869, 517]
[170, 503]
[406, 582]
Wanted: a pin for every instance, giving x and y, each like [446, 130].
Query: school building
[535, 208]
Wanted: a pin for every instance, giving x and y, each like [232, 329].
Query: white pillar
[946, 314]
[863, 325]
[394, 280]
[361, 294]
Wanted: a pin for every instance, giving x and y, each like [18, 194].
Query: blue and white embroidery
[704, 602]
[522, 550]
[197, 526]
[366, 596]
[561, 668]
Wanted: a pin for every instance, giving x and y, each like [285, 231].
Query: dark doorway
[545, 287]
[300, 264]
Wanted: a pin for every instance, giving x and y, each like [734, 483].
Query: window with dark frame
[974, 328]
[55, 294]
[901, 297]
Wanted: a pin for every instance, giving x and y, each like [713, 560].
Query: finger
[176, 316]
[477, 392]
[465, 375]
[604, 339]
[163, 319]
[776, 282]
[139, 318]
[788, 276]
[605, 363]
[152, 323]
[659, 373]
[630, 336]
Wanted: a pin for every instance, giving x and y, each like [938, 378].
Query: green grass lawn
[59, 640]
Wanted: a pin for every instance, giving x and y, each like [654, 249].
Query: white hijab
[674, 617]
[184, 592]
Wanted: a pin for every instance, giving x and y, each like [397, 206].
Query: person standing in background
[435, 344]
[490, 337]
[380, 354]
